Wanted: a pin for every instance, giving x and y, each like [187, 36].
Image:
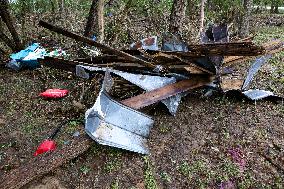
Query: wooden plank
[222, 49]
[271, 47]
[157, 95]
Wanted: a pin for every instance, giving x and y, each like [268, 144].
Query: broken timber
[42, 165]
[154, 96]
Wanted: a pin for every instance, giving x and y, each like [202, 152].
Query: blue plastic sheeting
[27, 58]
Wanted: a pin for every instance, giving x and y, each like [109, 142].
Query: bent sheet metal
[146, 82]
[111, 123]
[252, 94]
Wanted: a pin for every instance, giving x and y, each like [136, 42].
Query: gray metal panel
[257, 94]
[254, 69]
[107, 134]
[122, 116]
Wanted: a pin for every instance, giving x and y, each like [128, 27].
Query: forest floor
[215, 142]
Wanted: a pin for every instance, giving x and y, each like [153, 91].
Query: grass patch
[112, 165]
[166, 177]
[114, 185]
[85, 169]
[150, 181]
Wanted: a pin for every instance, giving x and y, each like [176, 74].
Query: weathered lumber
[70, 65]
[45, 163]
[223, 49]
[154, 96]
[270, 48]
[6, 17]
[89, 41]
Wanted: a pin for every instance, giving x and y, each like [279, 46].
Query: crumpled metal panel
[254, 69]
[257, 94]
[145, 82]
[111, 123]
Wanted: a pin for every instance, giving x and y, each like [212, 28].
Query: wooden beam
[157, 95]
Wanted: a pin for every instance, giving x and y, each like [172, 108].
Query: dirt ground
[212, 142]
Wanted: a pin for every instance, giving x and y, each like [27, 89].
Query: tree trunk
[202, 16]
[245, 19]
[177, 16]
[95, 22]
[276, 10]
[61, 5]
[6, 17]
[101, 23]
[120, 21]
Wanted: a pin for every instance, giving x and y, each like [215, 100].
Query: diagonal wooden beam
[157, 95]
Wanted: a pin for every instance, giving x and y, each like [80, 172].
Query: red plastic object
[54, 93]
[45, 146]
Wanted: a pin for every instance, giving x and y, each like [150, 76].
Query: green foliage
[150, 181]
[114, 185]
[85, 169]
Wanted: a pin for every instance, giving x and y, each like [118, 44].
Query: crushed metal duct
[111, 123]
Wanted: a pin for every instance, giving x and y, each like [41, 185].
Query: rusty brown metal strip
[95, 44]
[157, 95]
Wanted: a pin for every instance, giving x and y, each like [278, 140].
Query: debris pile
[165, 75]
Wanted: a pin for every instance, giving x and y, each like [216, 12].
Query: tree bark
[245, 19]
[7, 41]
[96, 18]
[202, 16]
[177, 16]
[6, 17]
[101, 21]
